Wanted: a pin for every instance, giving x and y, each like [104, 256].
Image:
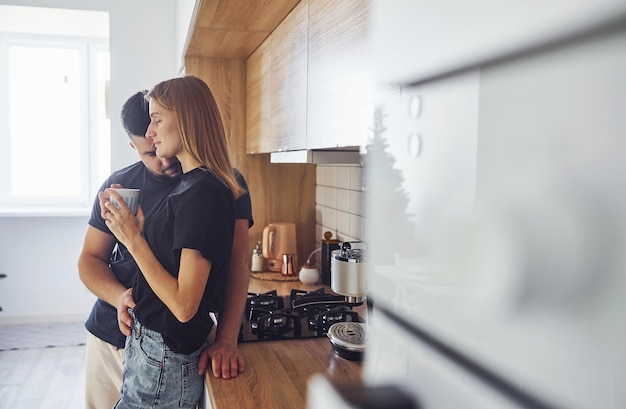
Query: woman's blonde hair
[200, 125]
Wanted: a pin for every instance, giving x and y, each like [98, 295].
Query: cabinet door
[340, 102]
[289, 80]
[259, 100]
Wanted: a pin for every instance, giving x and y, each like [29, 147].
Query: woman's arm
[182, 296]
[226, 360]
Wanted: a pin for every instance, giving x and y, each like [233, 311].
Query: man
[107, 269]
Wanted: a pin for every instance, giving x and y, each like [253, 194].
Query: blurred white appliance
[347, 270]
[348, 278]
[496, 197]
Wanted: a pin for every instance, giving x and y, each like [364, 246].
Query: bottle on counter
[328, 245]
[257, 259]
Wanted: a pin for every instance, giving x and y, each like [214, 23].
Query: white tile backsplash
[343, 199]
[320, 196]
[320, 172]
[343, 177]
[326, 175]
[356, 203]
[330, 217]
[343, 222]
[339, 202]
[330, 197]
[356, 225]
[356, 178]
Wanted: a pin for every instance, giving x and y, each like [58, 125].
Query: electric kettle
[279, 239]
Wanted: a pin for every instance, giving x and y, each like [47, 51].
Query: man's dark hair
[136, 115]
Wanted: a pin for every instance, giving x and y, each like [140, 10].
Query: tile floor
[27, 336]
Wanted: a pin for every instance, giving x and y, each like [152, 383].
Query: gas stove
[302, 314]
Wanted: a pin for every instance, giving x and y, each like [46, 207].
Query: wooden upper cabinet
[340, 91]
[277, 86]
[234, 28]
[289, 79]
[315, 71]
[259, 100]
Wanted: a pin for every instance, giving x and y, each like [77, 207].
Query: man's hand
[124, 320]
[226, 360]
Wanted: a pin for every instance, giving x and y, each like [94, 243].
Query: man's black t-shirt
[102, 321]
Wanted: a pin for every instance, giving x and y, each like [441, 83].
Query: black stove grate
[301, 314]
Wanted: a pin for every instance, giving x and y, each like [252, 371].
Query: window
[53, 126]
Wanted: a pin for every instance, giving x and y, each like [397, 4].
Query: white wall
[339, 202]
[185, 16]
[39, 253]
[39, 257]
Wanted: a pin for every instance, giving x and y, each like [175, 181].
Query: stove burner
[321, 320]
[278, 324]
[302, 314]
[297, 294]
[256, 313]
[269, 301]
[348, 339]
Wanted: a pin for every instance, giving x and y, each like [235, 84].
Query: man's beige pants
[103, 368]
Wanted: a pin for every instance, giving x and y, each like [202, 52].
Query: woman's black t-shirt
[199, 215]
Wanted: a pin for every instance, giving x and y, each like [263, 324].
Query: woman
[183, 251]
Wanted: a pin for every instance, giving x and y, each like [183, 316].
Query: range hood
[348, 155]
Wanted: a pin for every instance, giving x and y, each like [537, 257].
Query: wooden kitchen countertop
[282, 287]
[277, 372]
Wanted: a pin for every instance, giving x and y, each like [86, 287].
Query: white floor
[40, 378]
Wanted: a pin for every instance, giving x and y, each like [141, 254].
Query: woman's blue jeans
[156, 377]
